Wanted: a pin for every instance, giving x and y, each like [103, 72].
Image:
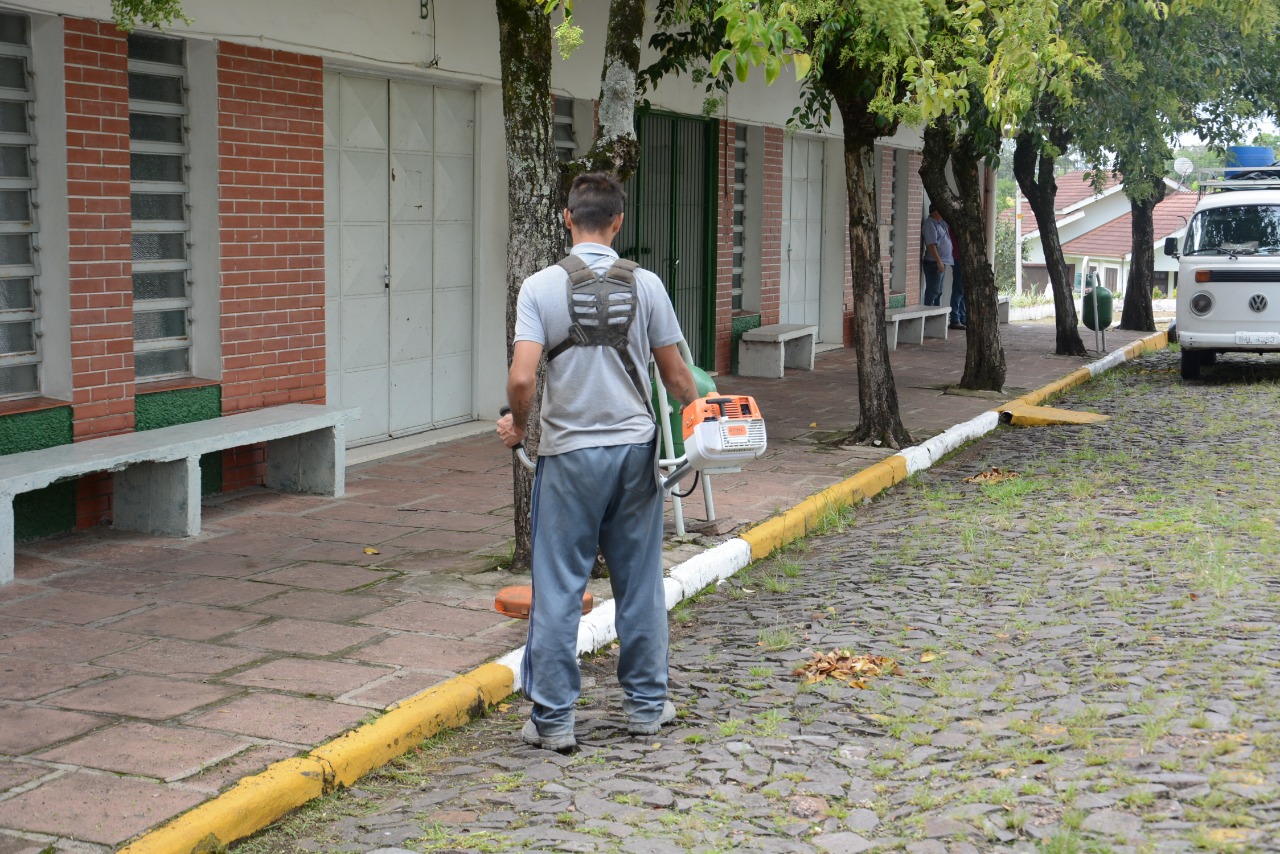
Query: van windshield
[1235, 230]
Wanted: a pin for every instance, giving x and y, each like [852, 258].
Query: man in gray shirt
[595, 485]
[935, 237]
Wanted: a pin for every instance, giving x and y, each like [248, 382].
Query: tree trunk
[879, 420]
[1138, 313]
[616, 148]
[984, 364]
[536, 236]
[1033, 170]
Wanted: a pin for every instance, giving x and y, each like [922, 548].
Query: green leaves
[152, 13]
[567, 34]
[757, 39]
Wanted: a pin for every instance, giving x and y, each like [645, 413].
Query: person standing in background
[935, 237]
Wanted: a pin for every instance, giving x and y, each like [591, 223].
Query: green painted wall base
[737, 326]
[157, 409]
[53, 509]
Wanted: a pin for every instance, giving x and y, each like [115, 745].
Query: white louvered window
[739, 210]
[19, 267]
[562, 132]
[158, 173]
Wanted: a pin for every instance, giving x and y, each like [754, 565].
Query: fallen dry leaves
[993, 476]
[853, 670]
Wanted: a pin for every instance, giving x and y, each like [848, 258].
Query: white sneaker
[635, 727]
[562, 743]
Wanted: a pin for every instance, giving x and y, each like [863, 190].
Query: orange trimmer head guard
[515, 601]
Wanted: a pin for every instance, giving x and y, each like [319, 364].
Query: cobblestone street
[1086, 637]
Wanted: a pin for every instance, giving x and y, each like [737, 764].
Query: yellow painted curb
[245, 808]
[777, 532]
[257, 801]
[1044, 416]
[1077, 377]
[445, 706]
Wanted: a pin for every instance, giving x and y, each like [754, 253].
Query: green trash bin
[1096, 317]
[705, 386]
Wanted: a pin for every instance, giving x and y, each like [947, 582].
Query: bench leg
[911, 330]
[798, 353]
[759, 359]
[6, 539]
[935, 327]
[891, 333]
[1002, 312]
[313, 463]
[158, 498]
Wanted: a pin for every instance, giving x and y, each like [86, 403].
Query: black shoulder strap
[579, 273]
[622, 272]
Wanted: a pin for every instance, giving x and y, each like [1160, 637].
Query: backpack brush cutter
[718, 430]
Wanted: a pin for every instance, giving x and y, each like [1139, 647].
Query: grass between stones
[1091, 659]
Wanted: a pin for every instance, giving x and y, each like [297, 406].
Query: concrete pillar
[313, 463]
[6, 539]
[158, 498]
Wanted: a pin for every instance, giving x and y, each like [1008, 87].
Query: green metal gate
[669, 226]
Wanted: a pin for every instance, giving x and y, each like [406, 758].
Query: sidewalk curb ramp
[258, 800]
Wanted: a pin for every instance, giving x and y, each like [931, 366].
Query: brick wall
[271, 205]
[888, 226]
[101, 267]
[915, 216]
[724, 247]
[771, 228]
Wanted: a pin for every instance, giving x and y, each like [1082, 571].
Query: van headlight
[1201, 303]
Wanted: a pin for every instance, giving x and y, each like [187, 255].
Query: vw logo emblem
[1258, 303]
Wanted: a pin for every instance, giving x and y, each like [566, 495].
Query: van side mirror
[1171, 246]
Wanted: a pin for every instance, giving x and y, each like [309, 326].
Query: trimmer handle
[521, 453]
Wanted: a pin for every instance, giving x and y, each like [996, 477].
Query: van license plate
[1260, 339]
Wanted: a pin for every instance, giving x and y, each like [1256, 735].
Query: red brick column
[271, 205]
[724, 248]
[771, 228]
[915, 216]
[101, 265]
[887, 194]
[100, 282]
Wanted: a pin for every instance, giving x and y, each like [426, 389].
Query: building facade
[209, 220]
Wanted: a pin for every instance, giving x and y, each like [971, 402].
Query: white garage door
[801, 229]
[399, 167]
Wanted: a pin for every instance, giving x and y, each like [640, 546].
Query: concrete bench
[913, 324]
[1002, 309]
[766, 350]
[156, 487]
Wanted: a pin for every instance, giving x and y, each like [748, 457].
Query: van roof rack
[1239, 178]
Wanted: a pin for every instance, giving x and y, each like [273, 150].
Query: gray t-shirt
[589, 401]
[936, 231]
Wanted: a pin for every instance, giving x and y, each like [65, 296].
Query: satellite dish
[1183, 166]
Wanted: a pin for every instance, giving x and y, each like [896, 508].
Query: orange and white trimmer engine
[722, 428]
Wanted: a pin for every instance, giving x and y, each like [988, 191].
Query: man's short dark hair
[594, 200]
[932, 207]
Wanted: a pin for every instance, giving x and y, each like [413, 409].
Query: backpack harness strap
[601, 309]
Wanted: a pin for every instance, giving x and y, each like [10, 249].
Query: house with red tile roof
[1096, 229]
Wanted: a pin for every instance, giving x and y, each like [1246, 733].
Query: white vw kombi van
[1229, 268]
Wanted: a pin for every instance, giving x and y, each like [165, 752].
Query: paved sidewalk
[143, 675]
